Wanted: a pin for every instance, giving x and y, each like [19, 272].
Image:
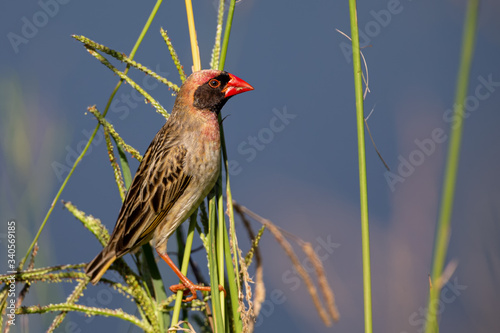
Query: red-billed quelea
[178, 170]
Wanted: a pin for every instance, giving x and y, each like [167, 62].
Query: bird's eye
[214, 83]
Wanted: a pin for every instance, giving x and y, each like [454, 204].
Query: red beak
[236, 86]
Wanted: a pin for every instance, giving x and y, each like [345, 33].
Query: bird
[178, 170]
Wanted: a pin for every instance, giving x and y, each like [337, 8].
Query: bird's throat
[210, 129]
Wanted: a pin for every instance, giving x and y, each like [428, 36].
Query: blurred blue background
[293, 140]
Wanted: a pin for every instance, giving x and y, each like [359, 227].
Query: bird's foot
[186, 285]
[190, 288]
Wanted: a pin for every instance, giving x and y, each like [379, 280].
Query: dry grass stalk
[260, 289]
[247, 316]
[210, 317]
[322, 280]
[280, 238]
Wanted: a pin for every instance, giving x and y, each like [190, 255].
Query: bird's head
[210, 89]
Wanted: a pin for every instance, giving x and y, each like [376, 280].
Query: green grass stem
[221, 230]
[365, 233]
[451, 169]
[87, 310]
[184, 268]
[212, 259]
[227, 33]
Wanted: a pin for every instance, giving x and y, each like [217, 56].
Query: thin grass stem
[221, 230]
[192, 36]
[451, 169]
[227, 33]
[184, 268]
[365, 233]
[212, 261]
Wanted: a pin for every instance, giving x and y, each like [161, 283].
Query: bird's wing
[158, 183]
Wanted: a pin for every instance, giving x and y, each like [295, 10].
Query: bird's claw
[190, 288]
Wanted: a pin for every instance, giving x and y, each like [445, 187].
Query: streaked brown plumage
[178, 170]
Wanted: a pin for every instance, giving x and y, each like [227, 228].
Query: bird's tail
[97, 267]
